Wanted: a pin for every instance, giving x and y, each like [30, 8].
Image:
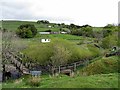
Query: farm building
[49, 26]
[63, 32]
[45, 40]
[55, 32]
[44, 32]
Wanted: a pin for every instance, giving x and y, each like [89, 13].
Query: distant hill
[13, 25]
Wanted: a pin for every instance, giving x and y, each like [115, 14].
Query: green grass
[42, 52]
[71, 38]
[13, 25]
[66, 36]
[93, 81]
[103, 65]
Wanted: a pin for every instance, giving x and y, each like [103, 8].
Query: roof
[44, 32]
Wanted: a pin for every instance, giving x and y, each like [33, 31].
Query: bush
[26, 31]
[106, 32]
[110, 41]
[94, 50]
[42, 53]
[83, 31]
[33, 81]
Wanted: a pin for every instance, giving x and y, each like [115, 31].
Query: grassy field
[93, 81]
[102, 71]
[13, 25]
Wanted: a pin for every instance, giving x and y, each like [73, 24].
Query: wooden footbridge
[17, 62]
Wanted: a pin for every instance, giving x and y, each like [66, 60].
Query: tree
[110, 41]
[86, 25]
[72, 26]
[61, 56]
[109, 26]
[43, 21]
[26, 31]
[98, 35]
[29, 33]
[87, 31]
[106, 32]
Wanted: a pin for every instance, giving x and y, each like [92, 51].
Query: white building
[45, 40]
[49, 26]
[44, 32]
[63, 32]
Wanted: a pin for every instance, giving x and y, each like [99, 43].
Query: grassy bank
[93, 81]
[103, 65]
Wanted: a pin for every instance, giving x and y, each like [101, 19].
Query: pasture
[100, 72]
[13, 25]
[62, 81]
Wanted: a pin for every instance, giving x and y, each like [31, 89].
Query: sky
[80, 12]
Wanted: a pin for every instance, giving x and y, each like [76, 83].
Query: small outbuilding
[45, 40]
[63, 32]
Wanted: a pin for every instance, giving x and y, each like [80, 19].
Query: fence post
[74, 66]
[59, 69]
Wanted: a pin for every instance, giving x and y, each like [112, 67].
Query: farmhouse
[45, 40]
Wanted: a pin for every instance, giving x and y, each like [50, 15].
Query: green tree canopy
[26, 31]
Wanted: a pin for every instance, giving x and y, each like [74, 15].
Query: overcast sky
[80, 12]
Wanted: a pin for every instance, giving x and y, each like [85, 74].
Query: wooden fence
[14, 60]
[25, 67]
[72, 66]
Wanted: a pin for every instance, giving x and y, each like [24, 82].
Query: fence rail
[13, 59]
[16, 59]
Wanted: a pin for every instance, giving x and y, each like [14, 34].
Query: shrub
[94, 50]
[26, 31]
[110, 41]
[83, 31]
[33, 81]
[44, 53]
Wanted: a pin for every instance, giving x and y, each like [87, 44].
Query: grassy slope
[104, 65]
[96, 81]
[93, 81]
[13, 25]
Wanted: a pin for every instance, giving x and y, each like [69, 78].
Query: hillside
[102, 66]
[13, 25]
[85, 45]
